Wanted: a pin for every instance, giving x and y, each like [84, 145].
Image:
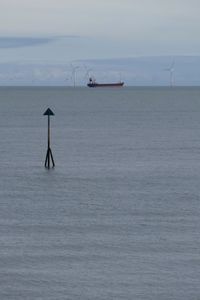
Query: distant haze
[147, 71]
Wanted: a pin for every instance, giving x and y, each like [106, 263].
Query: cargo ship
[92, 83]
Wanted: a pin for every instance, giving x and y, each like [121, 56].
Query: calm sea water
[119, 216]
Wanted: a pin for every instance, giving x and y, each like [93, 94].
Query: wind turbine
[87, 73]
[73, 77]
[171, 70]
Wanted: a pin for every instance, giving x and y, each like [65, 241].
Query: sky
[57, 31]
[122, 28]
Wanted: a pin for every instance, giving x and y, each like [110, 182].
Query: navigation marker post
[49, 155]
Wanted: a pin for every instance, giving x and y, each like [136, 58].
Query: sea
[118, 218]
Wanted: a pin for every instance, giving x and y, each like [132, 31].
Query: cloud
[19, 42]
[16, 42]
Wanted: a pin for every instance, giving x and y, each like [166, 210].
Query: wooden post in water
[49, 155]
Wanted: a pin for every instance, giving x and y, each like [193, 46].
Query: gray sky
[98, 29]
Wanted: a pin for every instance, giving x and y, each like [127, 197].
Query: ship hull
[94, 84]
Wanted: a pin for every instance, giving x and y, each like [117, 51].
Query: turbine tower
[73, 76]
[87, 73]
[171, 70]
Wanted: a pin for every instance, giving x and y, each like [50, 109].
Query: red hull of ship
[94, 84]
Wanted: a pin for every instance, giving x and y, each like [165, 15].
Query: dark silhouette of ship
[92, 83]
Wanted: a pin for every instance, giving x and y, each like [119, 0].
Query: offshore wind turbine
[87, 73]
[74, 71]
[171, 70]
